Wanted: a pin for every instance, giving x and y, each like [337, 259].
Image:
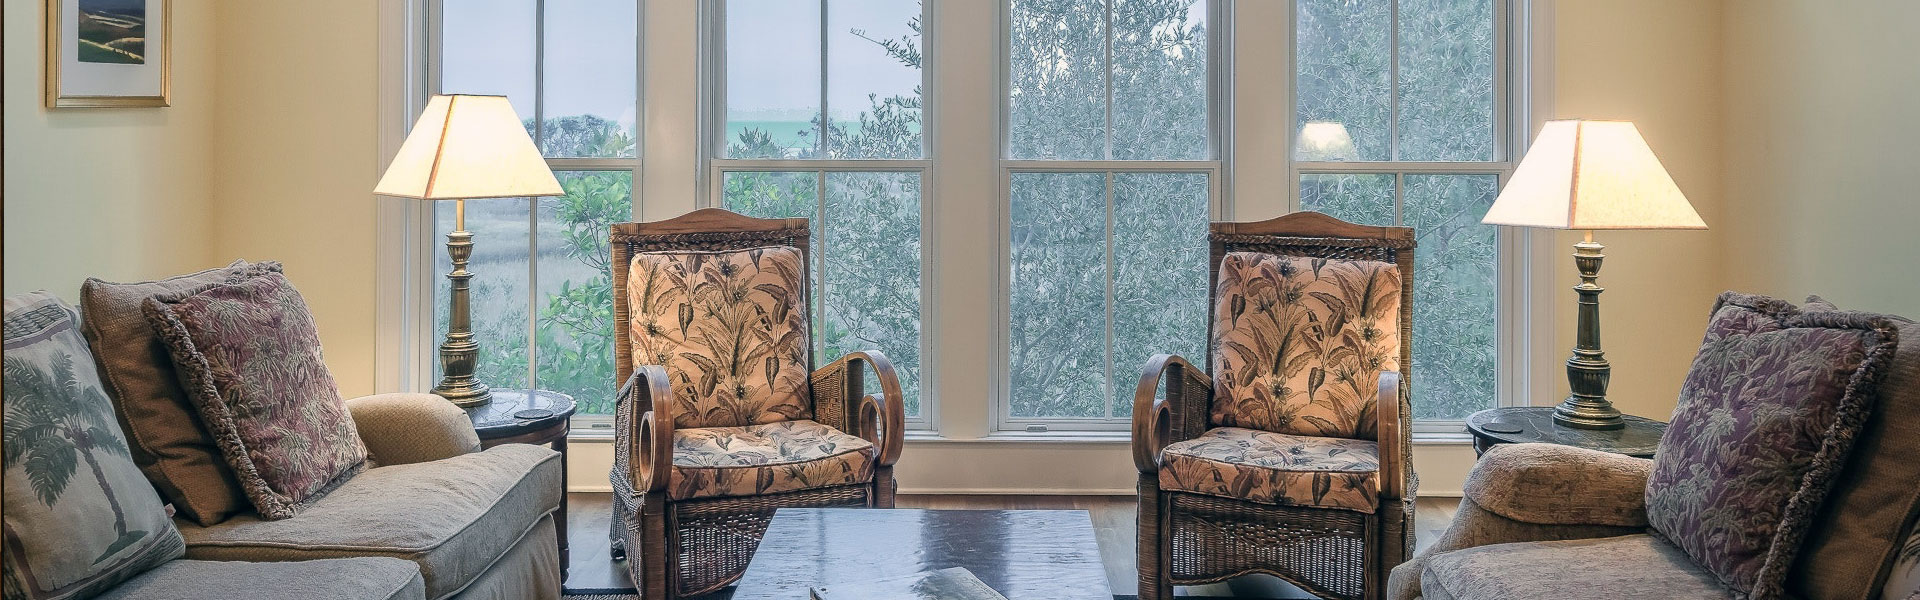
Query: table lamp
[1589, 175]
[466, 147]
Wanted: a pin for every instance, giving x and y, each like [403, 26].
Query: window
[1110, 173]
[1401, 120]
[822, 119]
[541, 292]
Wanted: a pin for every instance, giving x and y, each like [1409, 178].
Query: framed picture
[106, 53]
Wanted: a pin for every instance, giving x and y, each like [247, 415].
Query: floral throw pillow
[249, 358]
[80, 518]
[1766, 418]
[730, 328]
[1299, 343]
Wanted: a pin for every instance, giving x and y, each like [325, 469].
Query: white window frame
[426, 240]
[1219, 50]
[713, 136]
[1515, 246]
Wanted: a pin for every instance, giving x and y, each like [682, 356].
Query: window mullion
[1107, 385]
[533, 210]
[825, 128]
[1107, 80]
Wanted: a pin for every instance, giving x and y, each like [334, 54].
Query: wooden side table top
[1023, 554]
[1531, 424]
[514, 413]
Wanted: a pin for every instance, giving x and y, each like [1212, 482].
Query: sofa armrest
[1550, 484]
[401, 429]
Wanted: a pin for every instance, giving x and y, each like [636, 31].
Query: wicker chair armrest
[649, 445]
[1392, 437]
[881, 420]
[1153, 426]
[1550, 484]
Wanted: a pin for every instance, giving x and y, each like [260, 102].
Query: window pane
[1160, 80]
[1446, 80]
[871, 276]
[1159, 274]
[1058, 295]
[1456, 278]
[1056, 70]
[873, 78]
[1356, 198]
[487, 48]
[588, 85]
[574, 346]
[773, 79]
[497, 294]
[1343, 73]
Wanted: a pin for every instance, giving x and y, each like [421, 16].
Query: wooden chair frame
[694, 546]
[1192, 539]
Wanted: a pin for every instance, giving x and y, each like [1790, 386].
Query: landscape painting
[112, 31]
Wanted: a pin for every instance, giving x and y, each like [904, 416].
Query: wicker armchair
[1334, 530]
[693, 522]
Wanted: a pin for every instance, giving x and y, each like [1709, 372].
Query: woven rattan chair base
[717, 537]
[1322, 551]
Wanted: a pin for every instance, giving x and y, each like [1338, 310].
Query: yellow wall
[120, 194]
[294, 162]
[1821, 130]
[1656, 63]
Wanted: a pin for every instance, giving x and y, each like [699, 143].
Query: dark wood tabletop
[1517, 425]
[1023, 554]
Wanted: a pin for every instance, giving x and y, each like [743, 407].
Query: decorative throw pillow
[1857, 534]
[167, 439]
[1299, 343]
[79, 516]
[249, 358]
[1766, 418]
[731, 330]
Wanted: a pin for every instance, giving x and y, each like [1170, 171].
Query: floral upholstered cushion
[766, 459]
[1766, 418]
[249, 358]
[730, 328]
[79, 516]
[1299, 343]
[1275, 468]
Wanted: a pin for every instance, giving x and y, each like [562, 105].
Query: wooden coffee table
[1023, 554]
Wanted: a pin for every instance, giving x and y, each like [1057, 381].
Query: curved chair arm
[1153, 426]
[650, 443]
[402, 429]
[883, 421]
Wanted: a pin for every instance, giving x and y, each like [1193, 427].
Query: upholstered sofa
[428, 514]
[1547, 521]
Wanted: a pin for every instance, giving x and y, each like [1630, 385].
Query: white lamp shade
[468, 147]
[1324, 141]
[1592, 175]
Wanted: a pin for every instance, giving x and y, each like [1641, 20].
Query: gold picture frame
[104, 85]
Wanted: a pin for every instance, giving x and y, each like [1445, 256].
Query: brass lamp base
[460, 353]
[1587, 370]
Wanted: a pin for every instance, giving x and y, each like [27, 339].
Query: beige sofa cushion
[452, 517]
[1629, 566]
[334, 579]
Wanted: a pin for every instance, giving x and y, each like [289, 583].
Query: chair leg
[653, 580]
[884, 487]
[1153, 549]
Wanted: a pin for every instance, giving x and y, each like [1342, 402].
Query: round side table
[1519, 425]
[529, 417]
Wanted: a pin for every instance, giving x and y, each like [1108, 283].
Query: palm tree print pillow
[79, 516]
[729, 327]
[249, 358]
[1299, 343]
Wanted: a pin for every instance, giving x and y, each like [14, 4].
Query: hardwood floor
[1113, 524]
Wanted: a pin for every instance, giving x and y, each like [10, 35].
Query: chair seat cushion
[333, 579]
[1629, 566]
[766, 459]
[1275, 468]
[452, 517]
